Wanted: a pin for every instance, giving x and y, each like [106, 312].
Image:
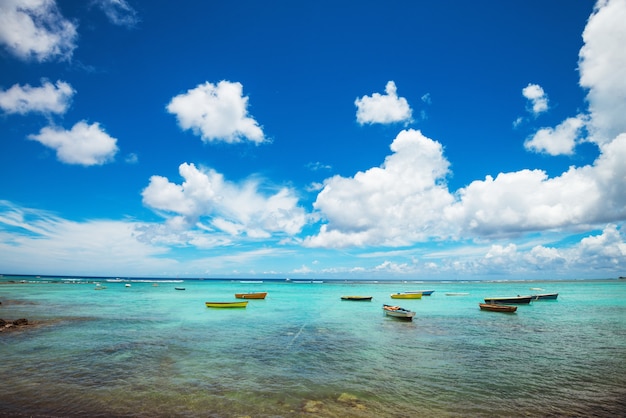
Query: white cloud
[216, 113]
[537, 97]
[35, 241]
[49, 98]
[605, 250]
[233, 209]
[399, 203]
[529, 200]
[559, 141]
[378, 108]
[406, 200]
[131, 158]
[84, 144]
[35, 29]
[119, 12]
[602, 69]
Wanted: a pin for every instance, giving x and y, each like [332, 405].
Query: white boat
[423, 292]
[398, 312]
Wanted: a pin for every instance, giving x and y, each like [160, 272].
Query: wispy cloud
[119, 12]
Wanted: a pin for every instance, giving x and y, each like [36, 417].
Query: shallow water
[153, 351]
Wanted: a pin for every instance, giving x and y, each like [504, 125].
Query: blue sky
[374, 140]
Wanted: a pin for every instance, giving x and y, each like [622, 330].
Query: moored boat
[398, 312]
[242, 304]
[251, 295]
[423, 292]
[179, 288]
[497, 307]
[508, 300]
[457, 293]
[545, 296]
[357, 298]
[406, 295]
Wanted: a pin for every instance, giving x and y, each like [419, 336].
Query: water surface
[153, 351]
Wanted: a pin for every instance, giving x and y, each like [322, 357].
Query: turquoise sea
[149, 350]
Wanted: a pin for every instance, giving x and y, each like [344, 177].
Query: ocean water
[153, 351]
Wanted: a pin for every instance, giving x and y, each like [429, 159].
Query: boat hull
[406, 296]
[545, 296]
[357, 298]
[226, 304]
[497, 307]
[509, 300]
[254, 295]
[398, 312]
[423, 292]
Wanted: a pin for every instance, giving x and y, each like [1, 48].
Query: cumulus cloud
[560, 140]
[398, 203]
[35, 29]
[603, 251]
[84, 144]
[529, 200]
[379, 108]
[602, 66]
[537, 97]
[49, 98]
[119, 12]
[217, 113]
[233, 209]
[406, 200]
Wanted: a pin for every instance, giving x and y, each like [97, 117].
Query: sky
[371, 140]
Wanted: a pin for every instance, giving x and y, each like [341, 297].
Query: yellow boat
[252, 295]
[406, 295]
[357, 298]
[226, 304]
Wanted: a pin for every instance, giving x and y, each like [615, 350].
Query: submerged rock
[8, 325]
[351, 400]
[347, 398]
[313, 407]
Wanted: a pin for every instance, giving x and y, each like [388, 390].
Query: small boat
[508, 300]
[127, 285]
[545, 296]
[457, 294]
[179, 288]
[496, 307]
[252, 295]
[406, 295]
[398, 312]
[226, 304]
[423, 292]
[358, 298]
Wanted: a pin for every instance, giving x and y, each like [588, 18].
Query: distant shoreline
[34, 279]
